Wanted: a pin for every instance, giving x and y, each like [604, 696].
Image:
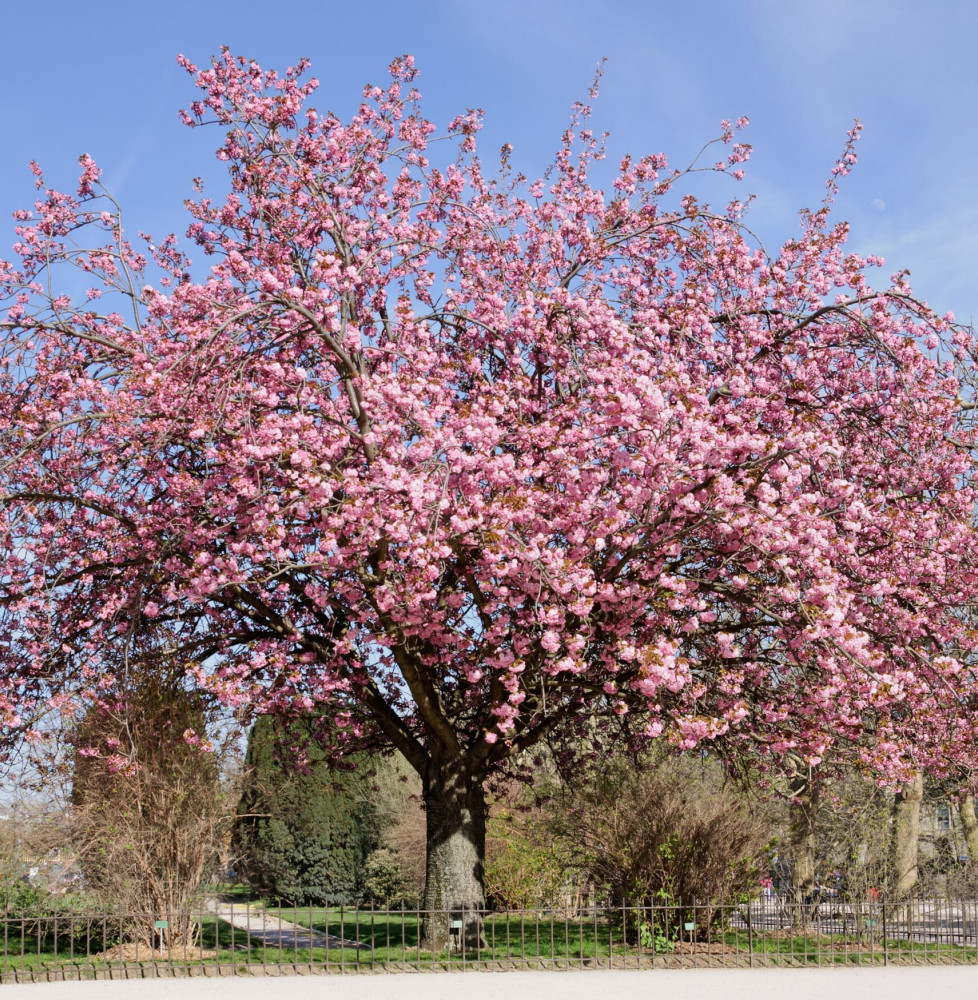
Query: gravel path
[275, 932]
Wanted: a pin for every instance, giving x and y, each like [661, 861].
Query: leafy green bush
[302, 834]
[653, 936]
[387, 882]
[525, 866]
[19, 895]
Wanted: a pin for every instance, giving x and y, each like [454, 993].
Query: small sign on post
[455, 929]
[161, 926]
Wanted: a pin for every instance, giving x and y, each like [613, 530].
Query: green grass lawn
[395, 938]
[840, 949]
[511, 941]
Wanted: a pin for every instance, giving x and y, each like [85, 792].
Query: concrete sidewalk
[893, 983]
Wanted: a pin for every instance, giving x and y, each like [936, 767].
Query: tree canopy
[467, 461]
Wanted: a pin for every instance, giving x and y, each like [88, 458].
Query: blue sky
[102, 78]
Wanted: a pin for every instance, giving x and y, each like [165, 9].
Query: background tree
[969, 824]
[906, 837]
[396, 794]
[469, 463]
[303, 832]
[35, 835]
[802, 841]
[387, 880]
[833, 829]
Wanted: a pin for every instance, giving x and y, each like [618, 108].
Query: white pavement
[893, 983]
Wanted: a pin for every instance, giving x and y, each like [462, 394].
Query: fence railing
[224, 938]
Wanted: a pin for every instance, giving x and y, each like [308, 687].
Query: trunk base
[454, 897]
[454, 931]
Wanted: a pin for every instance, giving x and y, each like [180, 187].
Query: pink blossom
[449, 458]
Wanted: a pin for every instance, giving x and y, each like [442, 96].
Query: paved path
[275, 932]
[687, 984]
[925, 921]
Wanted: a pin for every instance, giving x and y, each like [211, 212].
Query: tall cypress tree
[303, 834]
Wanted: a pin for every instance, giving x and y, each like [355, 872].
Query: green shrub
[387, 882]
[303, 834]
[525, 865]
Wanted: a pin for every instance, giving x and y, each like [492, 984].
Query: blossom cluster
[465, 460]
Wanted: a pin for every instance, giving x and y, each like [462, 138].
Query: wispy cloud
[941, 254]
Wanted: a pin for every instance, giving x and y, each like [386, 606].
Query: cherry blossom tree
[467, 463]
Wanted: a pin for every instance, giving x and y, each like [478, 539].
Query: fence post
[750, 937]
[886, 950]
[974, 926]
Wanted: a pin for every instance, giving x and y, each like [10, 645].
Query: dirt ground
[139, 952]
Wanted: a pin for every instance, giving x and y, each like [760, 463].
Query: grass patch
[847, 949]
[87, 946]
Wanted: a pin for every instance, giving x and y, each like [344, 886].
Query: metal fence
[224, 938]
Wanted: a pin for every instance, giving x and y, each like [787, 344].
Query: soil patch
[139, 952]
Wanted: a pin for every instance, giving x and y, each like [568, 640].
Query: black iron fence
[225, 938]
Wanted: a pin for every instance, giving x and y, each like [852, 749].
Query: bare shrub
[668, 831]
[149, 809]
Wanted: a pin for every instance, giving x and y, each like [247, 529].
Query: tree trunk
[801, 834]
[906, 835]
[969, 825]
[454, 893]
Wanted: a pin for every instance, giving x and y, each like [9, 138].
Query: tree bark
[906, 836]
[455, 808]
[801, 834]
[969, 825]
